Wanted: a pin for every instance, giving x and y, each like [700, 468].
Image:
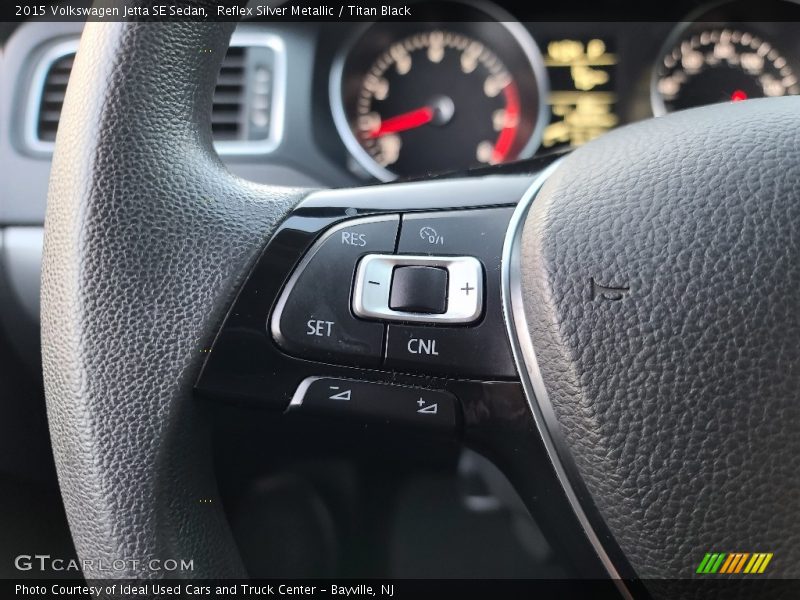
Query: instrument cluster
[469, 86]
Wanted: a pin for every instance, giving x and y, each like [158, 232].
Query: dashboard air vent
[228, 113]
[53, 89]
[244, 117]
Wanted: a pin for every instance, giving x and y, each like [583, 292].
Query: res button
[312, 318]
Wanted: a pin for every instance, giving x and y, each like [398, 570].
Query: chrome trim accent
[241, 39]
[300, 393]
[274, 324]
[373, 303]
[250, 38]
[657, 105]
[521, 35]
[30, 127]
[528, 367]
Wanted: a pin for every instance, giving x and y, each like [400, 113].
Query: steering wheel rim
[654, 310]
[146, 238]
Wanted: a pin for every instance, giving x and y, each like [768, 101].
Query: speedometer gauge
[416, 99]
[719, 65]
[408, 100]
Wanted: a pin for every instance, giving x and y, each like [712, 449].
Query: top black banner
[277, 11]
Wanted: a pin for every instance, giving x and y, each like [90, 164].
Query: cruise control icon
[344, 395]
[430, 235]
[430, 409]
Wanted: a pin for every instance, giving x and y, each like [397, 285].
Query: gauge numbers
[433, 89]
[411, 99]
[721, 65]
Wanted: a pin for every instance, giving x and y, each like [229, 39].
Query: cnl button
[422, 346]
[447, 351]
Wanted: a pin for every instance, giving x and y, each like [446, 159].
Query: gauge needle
[738, 96]
[409, 120]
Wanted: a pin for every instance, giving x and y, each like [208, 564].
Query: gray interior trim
[528, 368]
[300, 393]
[22, 264]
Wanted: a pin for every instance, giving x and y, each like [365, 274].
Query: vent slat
[227, 117]
[52, 102]
[58, 79]
[233, 62]
[231, 80]
[48, 116]
[223, 96]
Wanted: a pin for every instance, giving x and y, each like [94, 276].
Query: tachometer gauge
[411, 100]
[720, 65]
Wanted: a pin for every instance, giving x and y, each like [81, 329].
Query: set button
[312, 318]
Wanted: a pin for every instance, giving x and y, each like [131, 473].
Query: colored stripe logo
[734, 563]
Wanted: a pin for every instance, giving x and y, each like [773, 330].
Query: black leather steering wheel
[147, 238]
[651, 293]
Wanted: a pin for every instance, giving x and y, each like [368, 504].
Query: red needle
[738, 96]
[409, 120]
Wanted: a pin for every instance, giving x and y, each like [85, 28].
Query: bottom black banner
[463, 589]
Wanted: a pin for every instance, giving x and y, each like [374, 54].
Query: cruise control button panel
[312, 318]
[424, 256]
[390, 404]
[418, 292]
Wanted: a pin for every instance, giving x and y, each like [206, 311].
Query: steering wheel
[650, 290]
